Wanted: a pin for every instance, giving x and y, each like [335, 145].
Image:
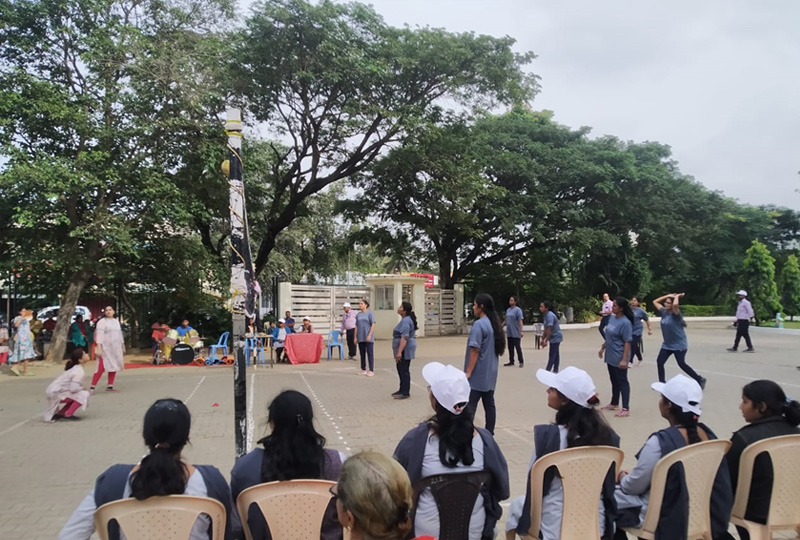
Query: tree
[103, 106]
[341, 86]
[758, 279]
[790, 286]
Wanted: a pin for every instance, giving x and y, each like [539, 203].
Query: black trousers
[404, 373]
[351, 343]
[515, 343]
[367, 349]
[603, 324]
[488, 406]
[743, 331]
[636, 347]
[619, 386]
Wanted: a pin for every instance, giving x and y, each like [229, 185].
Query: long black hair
[625, 306]
[74, 358]
[455, 433]
[686, 420]
[409, 309]
[166, 432]
[585, 426]
[486, 302]
[548, 305]
[294, 449]
[771, 395]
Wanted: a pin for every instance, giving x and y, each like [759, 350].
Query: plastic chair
[293, 509]
[784, 506]
[538, 330]
[166, 518]
[252, 345]
[583, 471]
[335, 341]
[222, 344]
[700, 464]
[455, 495]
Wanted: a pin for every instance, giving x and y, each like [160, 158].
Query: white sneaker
[370, 374]
[364, 372]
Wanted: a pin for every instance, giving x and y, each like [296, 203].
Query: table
[304, 348]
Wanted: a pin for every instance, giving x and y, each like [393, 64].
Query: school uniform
[483, 380]
[513, 334]
[673, 330]
[554, 341]
[618, 332]
[404, 329]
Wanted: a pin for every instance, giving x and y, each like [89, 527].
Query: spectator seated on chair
[450, 443]
[279, 339]
[768, 414]
[161, 472]
[679, 405]
[571, 393]
[292, 451]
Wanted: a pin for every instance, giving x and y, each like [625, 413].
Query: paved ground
[48, 468]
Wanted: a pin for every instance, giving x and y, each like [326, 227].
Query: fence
[441, 312]
[323, 304]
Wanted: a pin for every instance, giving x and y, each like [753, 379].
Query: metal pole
[242, 275]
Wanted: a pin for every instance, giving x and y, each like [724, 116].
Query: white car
[45, 313]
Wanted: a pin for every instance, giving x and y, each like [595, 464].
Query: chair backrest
[455, 495]
[333, 337]
[166, 518]
[583, 470]
[293, 509]
[784, 507]
[538, 328]
[700, 464]
[223, 339]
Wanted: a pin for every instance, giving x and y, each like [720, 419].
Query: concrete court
[48, 468]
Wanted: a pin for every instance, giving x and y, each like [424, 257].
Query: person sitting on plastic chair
[279, 338]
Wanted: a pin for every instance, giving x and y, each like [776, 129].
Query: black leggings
[680, 357]
[489, 408]
[636, 347]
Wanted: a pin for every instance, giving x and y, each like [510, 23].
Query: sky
[717, 80]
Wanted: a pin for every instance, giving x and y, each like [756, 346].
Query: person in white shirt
[744, 314]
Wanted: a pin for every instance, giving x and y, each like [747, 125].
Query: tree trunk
[58, 345]
[132, 320]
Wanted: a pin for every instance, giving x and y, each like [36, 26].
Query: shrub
[689, 310]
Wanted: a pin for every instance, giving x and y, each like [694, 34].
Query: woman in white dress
[111, 349]
[66, 394]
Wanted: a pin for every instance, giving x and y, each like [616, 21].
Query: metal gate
[441, 317]
[323, 304]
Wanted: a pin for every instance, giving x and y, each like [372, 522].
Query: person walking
[552, 335]
[23, 350]
[404, 347]
[486, 344]
[513, 325]
[348, 329]
[605, 314]
[639, 316]
[365, 328]
[744, 313]
[616, 353]
[673, 329]
[111, 349]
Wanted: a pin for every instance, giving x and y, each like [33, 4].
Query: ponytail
[455, 433]
[585, 426]
[687, 420]
[773, 398]
[409, 309]
[74, 359]
[625, 306]
[486, 302]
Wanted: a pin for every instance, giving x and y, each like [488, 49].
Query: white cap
[346, 304]
[683, 392]
[306, 318]
[574, 383]
[742, 292]
[282, 320]
[449, 386]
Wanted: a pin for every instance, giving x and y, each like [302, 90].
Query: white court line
[327, 414]
[20, 424]
[520, 437]
[250, 423]
[387, 370]
[195, 389]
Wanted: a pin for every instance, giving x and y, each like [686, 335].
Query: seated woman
[66, 394]
[307, 328]
[161, 472]
[768, 413]
[293, 450]
[279, 338]
[450, 443]
[680, 406]
[571, 393]
[373, 498]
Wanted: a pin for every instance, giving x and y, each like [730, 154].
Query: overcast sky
[717, 80]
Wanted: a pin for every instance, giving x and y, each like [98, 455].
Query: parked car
[46, 313]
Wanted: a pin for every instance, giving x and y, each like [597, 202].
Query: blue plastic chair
[250, 345]
[334, 341]
[222, 344]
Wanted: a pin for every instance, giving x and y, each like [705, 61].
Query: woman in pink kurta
[66, 394]
[110, 349]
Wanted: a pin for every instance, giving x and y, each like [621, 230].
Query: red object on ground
[304, 348]
[215, 405]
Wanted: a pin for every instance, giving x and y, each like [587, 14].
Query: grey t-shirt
[513, 316]
[364, 321]
[484, 376]
[673, 331]
[551, 319]
[618, 332]
[405, 329]
[639, 315]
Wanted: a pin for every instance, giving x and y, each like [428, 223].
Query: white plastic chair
[784, 506]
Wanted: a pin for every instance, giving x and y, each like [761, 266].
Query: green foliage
[758, 279]
[790, 286]
[689, 310]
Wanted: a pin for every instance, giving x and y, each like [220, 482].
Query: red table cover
[304, 348]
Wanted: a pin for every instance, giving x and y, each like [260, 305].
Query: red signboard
[430, 279]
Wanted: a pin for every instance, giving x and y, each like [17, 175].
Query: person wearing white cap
[680, 405]
[450, 443]
[307, 327]
[278, 339]
[744, 314]
[571, 393]
[348, 328]
[673, 330]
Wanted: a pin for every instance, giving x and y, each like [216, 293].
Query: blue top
[405, 329]
[551, 319]
[513, 316]
[277, 331]
[639, 315]
[618, 332]
[183, 331]
[673, 331]
[484, 376]
[364, 322]
[289, 321]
